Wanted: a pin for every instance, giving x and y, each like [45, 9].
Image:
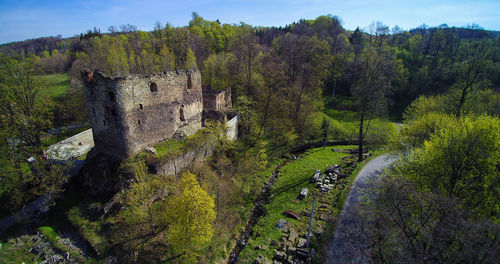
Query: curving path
[342, 250]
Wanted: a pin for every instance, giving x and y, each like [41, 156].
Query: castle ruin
[132, 112]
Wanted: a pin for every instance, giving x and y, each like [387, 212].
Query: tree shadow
[287, 187]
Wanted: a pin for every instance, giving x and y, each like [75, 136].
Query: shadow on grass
[285, 188]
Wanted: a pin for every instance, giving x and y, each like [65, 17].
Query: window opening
[189, 83]
[181, 114]
[153, 87]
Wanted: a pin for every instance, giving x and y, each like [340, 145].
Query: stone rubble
[303, 192]
[262, 260]
[326, 181]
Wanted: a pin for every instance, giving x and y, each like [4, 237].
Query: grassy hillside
[293, 176]
[57, 84]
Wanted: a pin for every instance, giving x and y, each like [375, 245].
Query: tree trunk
[249, 76]
[462, 101]
[360, 137]
[334, 86]
[266, 113]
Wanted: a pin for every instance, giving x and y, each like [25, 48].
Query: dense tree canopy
[441, 82]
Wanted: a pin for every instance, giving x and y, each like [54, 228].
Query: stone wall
[216, 100]
[130, 113]
[232, 128]
[72, 147]
[175, 165]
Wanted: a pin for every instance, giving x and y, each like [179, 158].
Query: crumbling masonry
[130, 113]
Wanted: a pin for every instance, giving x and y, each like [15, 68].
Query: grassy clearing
[344, 125]
[57, 84]
[342, 115]
[293, 177]
[13, 251]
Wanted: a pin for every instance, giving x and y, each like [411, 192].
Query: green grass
[53, 237]
[53, 139]
[344, 125]
[57, 84]
[171, 147]
[49, 233]
[342, 115]
[90, 230]
[293, 177]
[15, 253]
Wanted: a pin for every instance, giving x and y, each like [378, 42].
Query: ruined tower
[130, 113]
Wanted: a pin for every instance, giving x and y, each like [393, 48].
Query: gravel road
[343, 249]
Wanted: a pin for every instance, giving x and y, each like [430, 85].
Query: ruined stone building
[132, 112]
[216, 102]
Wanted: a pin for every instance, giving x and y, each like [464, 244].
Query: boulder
[263, 247]
[302, 243]
[280, 256]
[333, 178]
[341, 175]
[291, 250]
[303, 193]
[293, 236]
[282, 223]
[333, 169]
[150, 150]
[316, 176]
[262, 260]
[323, 217]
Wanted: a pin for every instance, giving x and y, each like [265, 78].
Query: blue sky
[23, 19]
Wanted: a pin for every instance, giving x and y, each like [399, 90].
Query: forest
[430, 94]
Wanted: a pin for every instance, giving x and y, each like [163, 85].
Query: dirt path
[342, 250]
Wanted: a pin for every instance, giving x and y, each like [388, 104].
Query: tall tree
[25, 104]
[172, 222]
[473, 58]
[246, 48]
[375, 70]
[26, 114]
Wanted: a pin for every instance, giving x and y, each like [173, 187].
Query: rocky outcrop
[102, 175]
